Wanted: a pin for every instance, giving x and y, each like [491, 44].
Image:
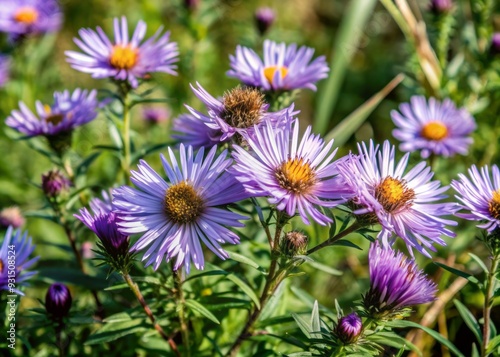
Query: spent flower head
[396, 284]
[295, 175]
[294, 243]
[405, 205]
[125, 60]
[433, 127]
[18, 244]
[284, 68]
[55, 184]
[178, 215]
[11, 216]
[58, 301]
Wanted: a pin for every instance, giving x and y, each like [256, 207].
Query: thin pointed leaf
[304, 326]
[469, 320]
[479, 262]
[196, 306]
[463, 274]
[246, 289]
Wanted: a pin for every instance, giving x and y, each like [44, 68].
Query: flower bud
[155, 115]
[264, 18]
[441, 6]
[54, 183]
[294, 243]
[58, 301]
[11, 216]
[349, 328]
[495, 43]
[191, 5]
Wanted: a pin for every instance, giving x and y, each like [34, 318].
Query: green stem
[126, 138]
[488, 303]
[355, 226]
[182, 318]
[137, 292]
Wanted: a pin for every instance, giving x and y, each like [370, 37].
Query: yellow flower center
[296, 175]
[182, 204]
[494, 205]
[26, 15]
[271, 70]
[123, 57]
[52, 118]
[434, 130]
[393, 194]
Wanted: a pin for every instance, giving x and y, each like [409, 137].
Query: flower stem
[135, 289]
[182, 318]
[488, 302]
[355, 226]
[126, 137]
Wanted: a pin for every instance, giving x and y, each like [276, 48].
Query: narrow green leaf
[325, 268]
[121, 316]
[479, 262]
[244, 260]
[463, 274]
[196, 306]
[347, 243]
[117, 287]
[348, 126]
[315, 321]
[493, 344]
[304, 326]
[112, 331]
[84, 165]
[345, 46]
[391, 339]
[246, 289]
[469, 320]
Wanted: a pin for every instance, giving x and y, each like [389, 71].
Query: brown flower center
[296, 175]
[51, 117]
[26, 15]
[271, 70]
[494, 205]
[393, 194]
[182, 204]
[123, 57]
[242, 107]
[434, 130]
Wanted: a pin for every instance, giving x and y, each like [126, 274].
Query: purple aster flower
[156, 115]
[434, 127]
[284, 67]
[54, 184]
[178, 215]
[294, 175]
[480, 195]
[29, 17]
[349, 328]
[396, 283]
[68, 112]
[103, 223]
[11, 216]
[4, 70]
[58, 301]
[19, 245]
[403, 204]
[264, 18]
[124, 60]
[238, 112]
[495, 43]
[190, 130]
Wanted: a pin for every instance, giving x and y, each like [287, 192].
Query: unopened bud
[58, 301]
[264, 18]
[349, 328]
[54, 183]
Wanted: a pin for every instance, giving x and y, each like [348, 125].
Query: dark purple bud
[441, 6]
[156, 115]
[264, 18]
[11, 216]
[495, 43]
[349, 328]
[58, 301]
[191, 5]
[54, 183]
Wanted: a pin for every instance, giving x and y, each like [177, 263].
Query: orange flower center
[123, 57]
[494, 205]
[434, 130]
[26, 15]
[393, 194]
[296, 175]
[271, 70]
[1, 266]
[182, 204]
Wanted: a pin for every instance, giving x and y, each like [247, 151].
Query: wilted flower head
[4, 70]
[294, 175]
[29, 17]
[103, 223]
[155, 115]
[348, 328]
[58, 301]
[294, 243]
[495, 43]
[433, 127]
[284, 67]
[264, 18]
[18, 244]
[441, 6]
[405, 205]
[177, 215]
[11, 216]
[54, 183]
[124, 59]
[56, 122]
[238, 112]
[480, 196]
[396, 283]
